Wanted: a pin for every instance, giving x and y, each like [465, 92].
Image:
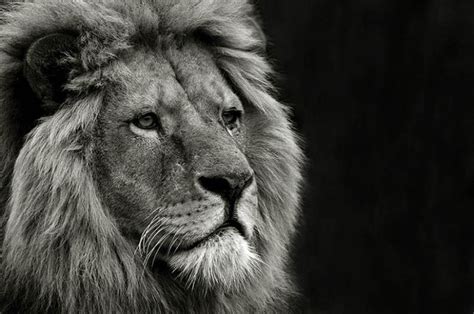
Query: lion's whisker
[176, 236]
[155, 233]
[150, 229]
[157, 250]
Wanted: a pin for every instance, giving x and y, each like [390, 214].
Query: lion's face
[170, 163]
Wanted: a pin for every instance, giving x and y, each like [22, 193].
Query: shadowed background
[383, 95]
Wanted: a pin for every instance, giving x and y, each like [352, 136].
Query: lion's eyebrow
[206, 87]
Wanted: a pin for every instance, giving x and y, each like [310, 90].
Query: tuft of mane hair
[62, 249]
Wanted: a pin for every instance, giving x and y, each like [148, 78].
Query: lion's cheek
[223, 262]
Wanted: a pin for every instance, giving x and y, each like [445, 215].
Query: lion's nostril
[215, 185]
[229, 188]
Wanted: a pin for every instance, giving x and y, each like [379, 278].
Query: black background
[383, 95]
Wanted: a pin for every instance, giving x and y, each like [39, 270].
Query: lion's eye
[147, 121]
[231, 119]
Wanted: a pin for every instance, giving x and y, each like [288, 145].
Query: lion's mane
[62, 250]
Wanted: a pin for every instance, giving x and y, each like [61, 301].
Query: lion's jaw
[187, 189]
[224, 262]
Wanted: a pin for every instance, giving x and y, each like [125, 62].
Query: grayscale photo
[236, 156]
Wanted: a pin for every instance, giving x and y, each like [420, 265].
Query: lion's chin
[224, 262]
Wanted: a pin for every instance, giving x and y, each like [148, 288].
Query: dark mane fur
[62, 250]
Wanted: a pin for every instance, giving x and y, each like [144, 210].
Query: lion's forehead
[176, 78]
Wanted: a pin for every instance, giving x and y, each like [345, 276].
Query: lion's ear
[46, 70]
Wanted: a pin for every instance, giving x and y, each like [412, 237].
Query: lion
[146, 165]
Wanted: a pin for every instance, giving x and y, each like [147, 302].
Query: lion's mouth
[231, 224]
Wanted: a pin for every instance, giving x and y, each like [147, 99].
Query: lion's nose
[229, 187]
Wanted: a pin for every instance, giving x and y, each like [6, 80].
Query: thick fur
[62, 249]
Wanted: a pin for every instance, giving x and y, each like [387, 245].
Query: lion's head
[147, 166]
[170, 163]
